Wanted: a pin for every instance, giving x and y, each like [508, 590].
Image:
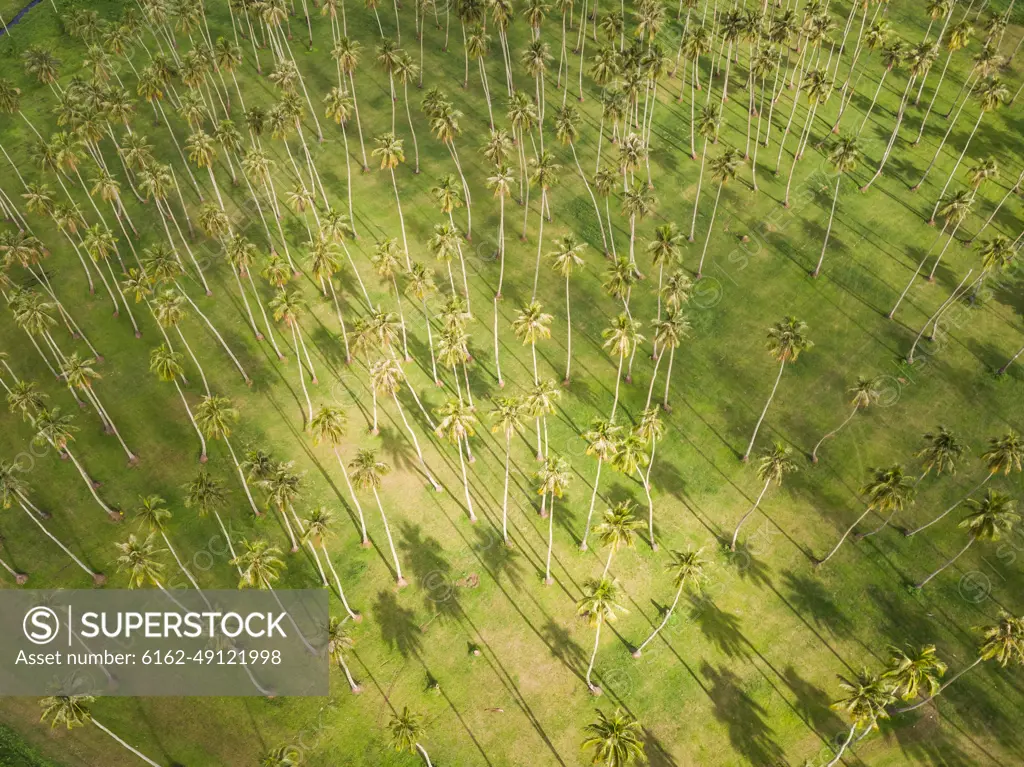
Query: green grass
[14, 752]
[744, 678]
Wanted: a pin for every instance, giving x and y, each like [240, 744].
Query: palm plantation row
[240, 214]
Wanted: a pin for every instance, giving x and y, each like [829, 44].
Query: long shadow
[743, 717]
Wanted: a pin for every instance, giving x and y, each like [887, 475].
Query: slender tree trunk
[849, 530]
[814, 453]
[953, 559]
[973, 490]
[594, 689]
[736, 532]
[764, 412]
[391, 543]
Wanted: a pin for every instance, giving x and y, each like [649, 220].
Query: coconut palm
[602, 443]
[669, 332]
[206, 494]
[544, 174]
[1004, 456]
[990, 95]
[329, 424]
[166, 365]
[72, 711]
[287, 307]
[1002, 641]
[888, 491]
[598, 605]
[786, 341]
[553, 479]
[844, 155]
[566, 258]
[864, 394]
[707, 127]
[317, 530]
[501, 182]
[941, 453]
[567, 119]
[407, 731]
[914, 671]
[283, 487]
[723, 168]
[616, 740]
[215, 416]
[620, 339]
[457, 425]
[13, 489]
[385, 262]
[507, 415]
[531, 325]
[955, 211]
[864, 702]
[154, 515]
[772, 466]
[56, 430]
[260, 565]
[367, 473]
[617, 529]
[339, 643]
[689, 572]
[989, 519]
[391, 153]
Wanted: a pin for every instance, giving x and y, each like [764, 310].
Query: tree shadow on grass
[812, 703]
[398, 627]
[720, 627]
[657, 756]
[431, 571]
[563, 647]
[809, 597]
[744, 718]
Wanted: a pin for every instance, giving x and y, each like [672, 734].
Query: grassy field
[743, 677]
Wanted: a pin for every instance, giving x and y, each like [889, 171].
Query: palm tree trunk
[548, 580]
[618, 381]
[465, 480]
[782, 366]
[953, 559]
[1010, 361]
[814, 453]
[956, 166]
[973, 490]
[593, 656]
[114, 515]
[391, 543]
[828, 230]
[842, 748]
[711, 224]
[736, 532]
[424, 754]
[122, 743]
[920, 266]
[416, 444]
[97, 578]
[849, 530]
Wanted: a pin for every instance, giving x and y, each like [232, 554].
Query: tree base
[595, 691]
[636, 653]
[99, 579]
[402, 583]
[548, 581]
[21, 579]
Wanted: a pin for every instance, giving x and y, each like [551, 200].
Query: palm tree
[689, 571]
[954, 211]
[664, 248]
[616, 740]
[215, 415]
[457, 426]
[154, 515]
[532, 324]
[941, 453]
[14, 489]
[1003, 456]
[317, 531]
[287, 307]
[553, 478]
[367, 473]
[888, 491]
[282, 486]
[206, 494]
[864, 702]
[565, 259]
[786, 341]
[567, 131]
[545, 175]
[507, 415]
[1000, 642]
[328, 425]
[843, 157]
[621, 338]
[669, 332]
[723, 168]
[73, 711]
[603, 443]
[338, 644]
[391, 153]
[598, 605]
[707, 126]
[864, 394]
[772, 466]
[56, 430]
[501, 183]
[166, 365]
[989, 519]
[406, 733]
[637, 203]
[617, 530]
[990, 95]
[260, 565]
[914, 671]
[385, 262]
